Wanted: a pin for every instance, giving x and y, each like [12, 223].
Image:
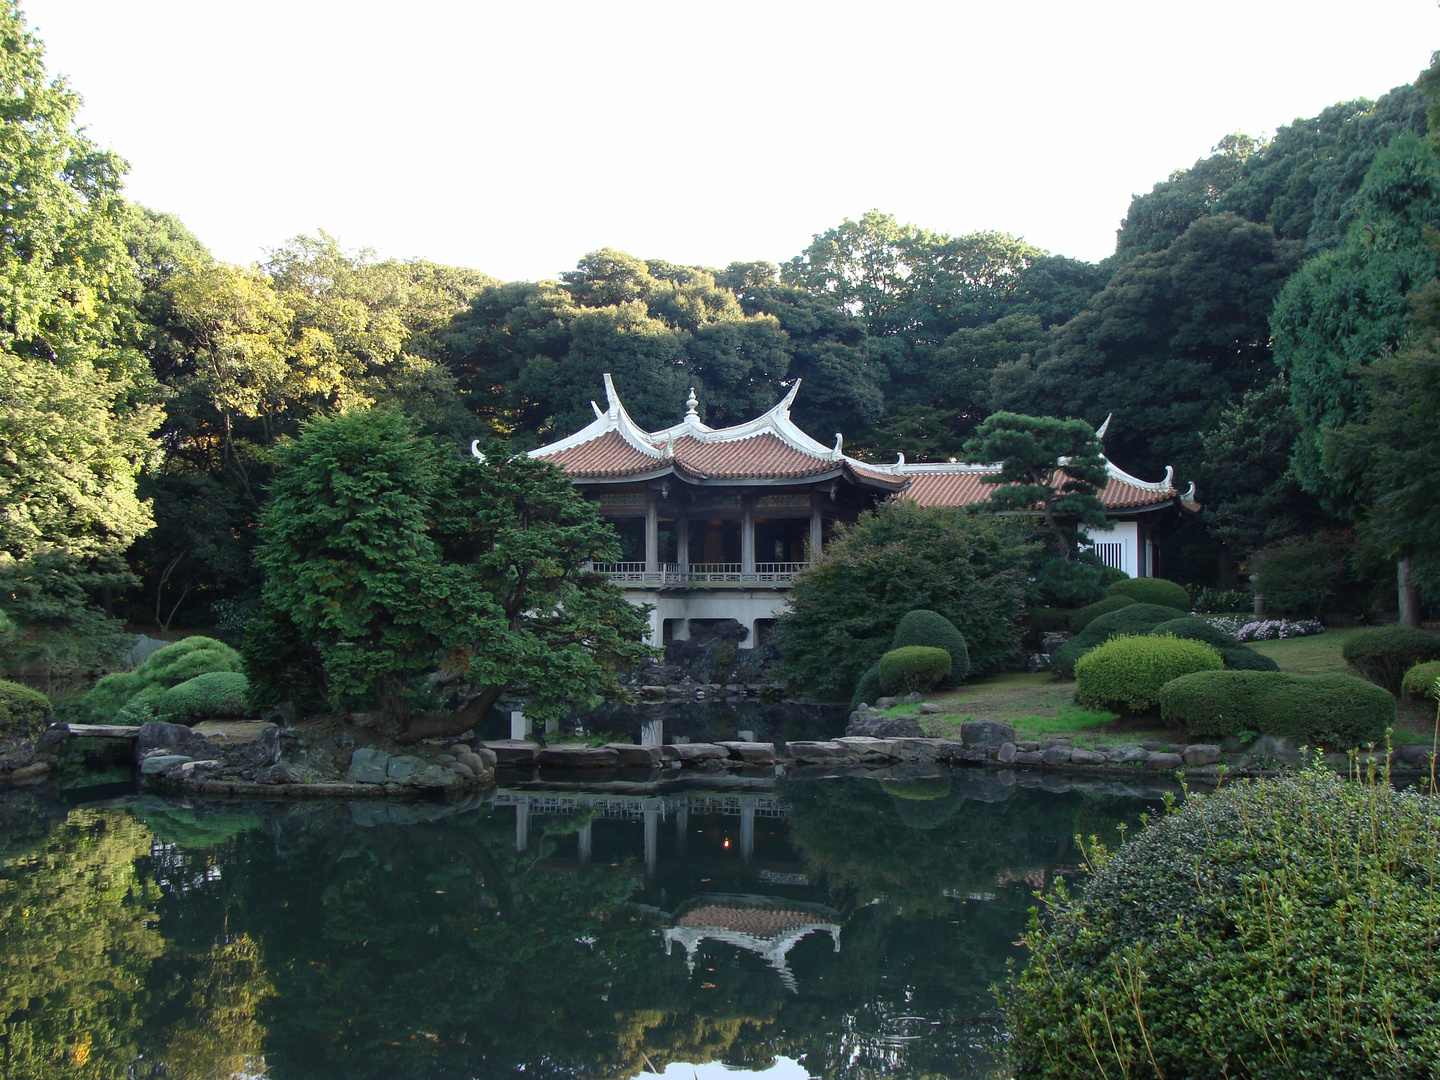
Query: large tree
[388, 558]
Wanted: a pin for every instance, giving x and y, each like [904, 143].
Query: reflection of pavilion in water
[767, 926]
[651, 809]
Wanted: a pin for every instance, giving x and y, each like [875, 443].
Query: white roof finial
[839, 447]
[691, 405]
[1100, 431]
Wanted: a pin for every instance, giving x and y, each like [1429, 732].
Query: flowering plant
[1269, 629]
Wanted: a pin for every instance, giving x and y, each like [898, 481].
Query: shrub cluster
[138, 692]
[1134, 618]
[1149, 590]
[1173, 961]
[1419, 681]
[1050, 620]
[1333, 710]
[922, 627]
[1277, 629]
[912, 668]
[1237, 657]
[1070, 583]
[1083, 617]
[1383, 654]
[23, 711]
[1126, 673]
[206, 697]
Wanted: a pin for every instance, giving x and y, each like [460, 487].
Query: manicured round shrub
[132, 690]
[868, 688]
[1126, 673]
[1131, 619]
[1383, 654]
[1272, 929]
[23, 711]
[1050, 620]
[1237, 657]
[205, 697]
[915, 667]
[1419, 681]
[1083, 617]
[1152, 590]
[1071, 582]
[1333, 710]
[921, 627]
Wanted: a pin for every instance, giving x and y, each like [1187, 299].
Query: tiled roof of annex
[771, 447]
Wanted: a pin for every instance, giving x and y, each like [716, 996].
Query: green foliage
[205, 697]
[1303, 574]
[23, 711]
[1334, 710]
[868, 689]
[1131, 619]
[921, 627]
[1267, 930]
[913, 667]
[1152, 591]
[1030, 451]
[1071, 583]
[170, 666]
[1049, 620]
[1126, 673]
[970, 568]
[1383, 654]
[1421, 679]
[387, 557]
[1237, 657]
[50, 601]
[1082, 618]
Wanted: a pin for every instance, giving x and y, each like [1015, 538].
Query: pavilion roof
[771, 447]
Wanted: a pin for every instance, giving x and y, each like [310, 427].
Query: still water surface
[822, 928]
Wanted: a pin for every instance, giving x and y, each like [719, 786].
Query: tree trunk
[1409, 595]
[420, 726]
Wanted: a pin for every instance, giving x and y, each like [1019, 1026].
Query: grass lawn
[1314, 655]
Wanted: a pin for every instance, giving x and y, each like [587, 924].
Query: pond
[820, 928]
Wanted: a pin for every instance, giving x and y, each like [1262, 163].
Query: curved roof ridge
[614, 418]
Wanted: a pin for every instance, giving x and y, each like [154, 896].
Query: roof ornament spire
[612, 399]
[837, 452]
[475, 451]
[1100, 431]
[692, 404]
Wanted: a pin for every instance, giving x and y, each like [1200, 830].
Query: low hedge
[1333, 710]
[922, 627]
[1272, 929]
[1126, 673]
[1237, 657]
[170, 666]
[1132, 619]
[210, 696]
[868, 688]
[915, 667]
[23, 711]
[1383, 654]
[1419, 681]
[1152, 590]
[1083, 617]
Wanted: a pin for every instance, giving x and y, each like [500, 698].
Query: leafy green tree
[1053, 467]
[972, 568]
[387, 558]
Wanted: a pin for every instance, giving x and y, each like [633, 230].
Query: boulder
[870, 749]
[431, 776]
[460, 769]
[1005, 753]
[1277, 747]
[887, 727]
[577, 756]
[1050, 744]
[475, 763]
[1127, 755]
[927, 708]
[1200, 754]
[1415, 754]
[400, 768]
[1163, 761]
[488, 758]
[986, 734]
[168, 738]
[752, 753]
[511, 751]
[1026, 747]
[685, 752]
[1086, 757]
[158, 763]
[645, 757]
[1026, 757]
[886, 702]
[1152, 746]
[1055, 755]
[368, 766]
[912, 698]
[818, 752]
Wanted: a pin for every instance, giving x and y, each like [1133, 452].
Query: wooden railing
[701, 575]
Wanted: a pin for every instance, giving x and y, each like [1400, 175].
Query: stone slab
[752, 753]
[684, 752]
[646, 757]
[368, 766]
[577, 756]
[511, 751]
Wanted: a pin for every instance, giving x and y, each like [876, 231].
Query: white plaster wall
[1125, 534]
[743, 605]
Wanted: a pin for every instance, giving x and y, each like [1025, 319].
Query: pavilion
[716, 522]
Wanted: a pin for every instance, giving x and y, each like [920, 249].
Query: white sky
[514, 137]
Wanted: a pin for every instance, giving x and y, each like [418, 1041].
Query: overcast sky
[515, 137]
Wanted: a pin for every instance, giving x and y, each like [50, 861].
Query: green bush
[1126, 673]
[22, 711]
[1083, 617]
[1050, 620]
[1131, 619]
[205, 697]
[130, 691]
[1071, 582]
[1419, 681]
[868, 688]
[1333, 710]
[923, 627]
[915, 667]
[1383, 654]
[1152, 590]
[1237, 657]
[1272, 929]
[1305, 574]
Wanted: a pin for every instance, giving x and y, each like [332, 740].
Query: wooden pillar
[747, 536]
[682, 540]
[817, 529]
[652, 535]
